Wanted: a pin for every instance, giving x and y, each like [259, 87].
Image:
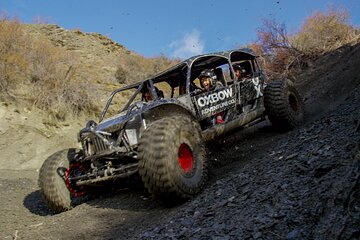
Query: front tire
[172, 159]
[283, 105]
[59, 194]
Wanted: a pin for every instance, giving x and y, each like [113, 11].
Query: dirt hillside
[26, 137]
[29, 134]
[98, 56]
[303, 184]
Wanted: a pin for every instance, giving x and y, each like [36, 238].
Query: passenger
[208, 83]
[240, 72]
[249, 91]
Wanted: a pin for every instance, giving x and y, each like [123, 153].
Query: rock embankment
[306, 187]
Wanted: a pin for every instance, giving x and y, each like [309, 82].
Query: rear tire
[56, 191]
[172, 159]
[283, 105]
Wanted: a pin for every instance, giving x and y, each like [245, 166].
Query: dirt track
[124, 214]
[263, 185]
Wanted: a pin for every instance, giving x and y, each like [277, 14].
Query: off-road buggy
[162, 140]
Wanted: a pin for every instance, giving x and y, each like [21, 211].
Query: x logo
[256, 82]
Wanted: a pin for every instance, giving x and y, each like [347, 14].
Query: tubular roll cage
[192, 65]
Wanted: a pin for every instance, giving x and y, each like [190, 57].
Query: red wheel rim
[185, 158]
[72, 171]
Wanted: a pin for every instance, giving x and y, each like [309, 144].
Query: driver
[147, 96]
[208, 83]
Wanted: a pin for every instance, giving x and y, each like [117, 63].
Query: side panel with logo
[251, 89]
[209, 103]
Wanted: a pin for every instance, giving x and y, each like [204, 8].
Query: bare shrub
[273, 35]
[283, 55]
[276, 50]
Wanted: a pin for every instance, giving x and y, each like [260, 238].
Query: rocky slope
[330, 79]
[306, 186]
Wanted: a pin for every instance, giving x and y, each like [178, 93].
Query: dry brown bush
[53, 80]
[283, 55]
[33, 69]
[69, 78]
[325, 31]
[13, 62]
[275, 49]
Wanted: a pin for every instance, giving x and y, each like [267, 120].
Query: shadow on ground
[35, 204]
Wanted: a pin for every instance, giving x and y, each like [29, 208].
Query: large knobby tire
[172, 161]
[283, 104]
[56, 191]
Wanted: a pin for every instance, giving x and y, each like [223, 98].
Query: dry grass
[66, 73]
[42, 74]
[13, 59]
[135, 68]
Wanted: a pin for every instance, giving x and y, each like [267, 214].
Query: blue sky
[173, 28]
